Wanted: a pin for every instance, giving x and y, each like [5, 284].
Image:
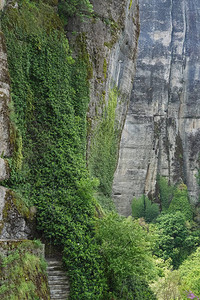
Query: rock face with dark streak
[110, 37]
[161, 135]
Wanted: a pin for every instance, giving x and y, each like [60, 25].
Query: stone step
[57, 280]
[61, 291]
[56, 273]
[58, 284]
[59, 296]
[52, 260]
[54, 267]
[60, 287]
[64, 297]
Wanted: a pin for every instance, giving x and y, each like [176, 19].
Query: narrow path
[57, 279]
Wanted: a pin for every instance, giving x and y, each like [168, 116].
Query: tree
[166, 192]
[180, 202]
[175, 240]
[144, 208]
[190, 274]
[126, 251]
[69, 8]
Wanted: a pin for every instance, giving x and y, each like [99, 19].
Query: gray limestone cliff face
[13, 224]
[161, 135]
[111, 37]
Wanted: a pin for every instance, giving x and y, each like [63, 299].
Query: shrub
[143, 208]
[126, 252]
[165, 191]
[23, 275]
[175, 240]
[180, 202]
[190, 274]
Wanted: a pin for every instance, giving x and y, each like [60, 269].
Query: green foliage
[69, 8]
[104, 68]
[144, 208]
[175, 240]
[166, 192]
[84, 55]
[180, 202]
[23, 275]
[126, 252]
[105, 202]
[104, 145]
[166, 287]
[50, 96]
[190, 274]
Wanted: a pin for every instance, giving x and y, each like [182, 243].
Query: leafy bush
[175, 240]
[166, 286]
[144, 208]
[23, 275]
[166, 192]
[69, 8]
[126, 251]
[105, 202]
[190, 274]
[180, 202]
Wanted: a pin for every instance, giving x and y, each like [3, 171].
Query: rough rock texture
[2, 4]
[111, 37]
[13, 223]
[4, 169]
[162, 129]
[5, 147]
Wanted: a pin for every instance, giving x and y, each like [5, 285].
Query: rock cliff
[161, 135]
[14, 223]
[110, 37]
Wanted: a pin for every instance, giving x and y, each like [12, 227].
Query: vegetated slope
[50, 95]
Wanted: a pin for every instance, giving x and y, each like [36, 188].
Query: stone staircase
[57, 279]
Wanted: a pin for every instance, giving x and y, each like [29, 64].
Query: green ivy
[69, 8]
[50, 95]
[104, 145]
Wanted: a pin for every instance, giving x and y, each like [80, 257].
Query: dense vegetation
[23, 274]
[176, 237]
[106, 257]
[50, 95]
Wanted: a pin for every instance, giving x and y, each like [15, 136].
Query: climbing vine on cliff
[49, 119]
[104, 145]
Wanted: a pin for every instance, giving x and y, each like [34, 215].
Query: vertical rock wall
[111, 37]
[161, 135]
[13, 224]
